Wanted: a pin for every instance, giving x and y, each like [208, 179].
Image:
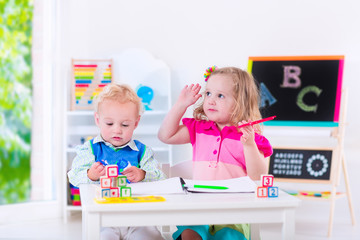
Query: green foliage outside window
[15, 99]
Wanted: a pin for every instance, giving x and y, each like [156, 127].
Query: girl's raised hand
[248, 136]
[189, 94]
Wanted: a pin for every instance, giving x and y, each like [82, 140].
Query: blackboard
[305, 164]
[300, 91]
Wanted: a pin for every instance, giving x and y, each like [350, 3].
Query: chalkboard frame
[317, 121]
[333, 166]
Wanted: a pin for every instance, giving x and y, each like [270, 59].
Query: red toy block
[111, 170]
[262, 192]
[267, 180]
[105, 182]
[114, 192]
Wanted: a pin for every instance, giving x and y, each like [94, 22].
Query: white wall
[193, 35]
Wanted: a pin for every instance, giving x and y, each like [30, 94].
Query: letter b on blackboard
[291, 77]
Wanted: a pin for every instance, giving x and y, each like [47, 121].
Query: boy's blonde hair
[121, 93]
[246, 96]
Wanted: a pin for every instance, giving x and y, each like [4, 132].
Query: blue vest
[119, 156]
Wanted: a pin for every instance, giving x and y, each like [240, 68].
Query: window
[40, 199]
[15, 101]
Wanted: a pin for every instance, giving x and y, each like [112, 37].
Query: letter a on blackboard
[266, 96]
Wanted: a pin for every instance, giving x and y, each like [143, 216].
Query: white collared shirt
[85, 159]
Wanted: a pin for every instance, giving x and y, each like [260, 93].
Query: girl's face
[219, 101]
[117, 121]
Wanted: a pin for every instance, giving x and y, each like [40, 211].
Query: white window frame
[48, 113]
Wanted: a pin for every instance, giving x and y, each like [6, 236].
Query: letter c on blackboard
[303, 92]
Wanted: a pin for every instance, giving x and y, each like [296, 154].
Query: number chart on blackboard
[300, 91]
[301, 164]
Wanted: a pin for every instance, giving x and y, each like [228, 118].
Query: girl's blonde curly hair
[246, 95]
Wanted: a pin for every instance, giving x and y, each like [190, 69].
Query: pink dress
[219, 155]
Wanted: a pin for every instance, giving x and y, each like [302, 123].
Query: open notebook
[177, 185]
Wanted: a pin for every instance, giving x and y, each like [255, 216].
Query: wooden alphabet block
[273, 192]
[125, 192]
[262, 192]
[105, 182]
[105, 192]
[121, 181]
[114, 192]
[111, 170]
[267, 180]
[114, 181]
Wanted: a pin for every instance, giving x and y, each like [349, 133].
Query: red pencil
[257, 121]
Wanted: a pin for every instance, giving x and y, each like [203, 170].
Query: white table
[189, 209]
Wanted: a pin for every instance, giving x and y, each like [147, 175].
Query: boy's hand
[248, 136]
[134, 174]
[189, 95]
[96, 171]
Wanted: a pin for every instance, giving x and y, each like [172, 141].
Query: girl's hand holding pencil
[248, 131]
[257, 122]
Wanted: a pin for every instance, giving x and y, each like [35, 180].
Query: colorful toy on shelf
[146, 94]
[75, 195]
[89, 79]
[114, 185]
[267, 189]
[83, 139]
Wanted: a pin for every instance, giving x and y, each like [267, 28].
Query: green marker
[206, 186]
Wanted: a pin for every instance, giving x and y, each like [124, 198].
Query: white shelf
[80, 123]
[160, 149]
[80, 113]
[73, 208]
[70, 150]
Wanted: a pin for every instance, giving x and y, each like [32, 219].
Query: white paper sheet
[234, 185]
[167, 186]
[174, 186]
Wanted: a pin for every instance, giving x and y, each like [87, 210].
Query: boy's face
[117, 121]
